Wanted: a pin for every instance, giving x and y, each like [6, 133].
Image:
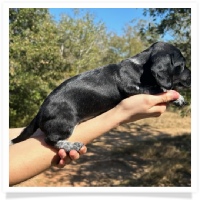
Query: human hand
[63, 158]
[144, 106]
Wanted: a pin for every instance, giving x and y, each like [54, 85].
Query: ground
[149, 152]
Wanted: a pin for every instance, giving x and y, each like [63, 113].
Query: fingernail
[175, 94]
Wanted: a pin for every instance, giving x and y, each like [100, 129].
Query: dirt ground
[150, 152]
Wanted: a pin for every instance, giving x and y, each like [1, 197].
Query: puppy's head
[168, 67]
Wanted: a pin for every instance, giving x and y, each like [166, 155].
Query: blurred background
[48, 46]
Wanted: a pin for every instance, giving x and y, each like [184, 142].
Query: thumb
[170, 95]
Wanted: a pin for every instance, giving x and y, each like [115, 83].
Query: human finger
[74, 155]
[157, 110]
[64, 158]
[83, 150]
[165, 97]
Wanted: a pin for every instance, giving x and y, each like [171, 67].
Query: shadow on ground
[132, 155]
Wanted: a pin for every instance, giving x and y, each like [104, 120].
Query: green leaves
[35, 62]
[177, 22]
[43, 52]
[83, 42]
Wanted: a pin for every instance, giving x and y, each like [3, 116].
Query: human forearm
[95, 127]
[38, 155]
[131, 109]
[34, 151]
[29, 158]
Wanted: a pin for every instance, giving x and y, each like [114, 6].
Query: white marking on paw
[180, 101]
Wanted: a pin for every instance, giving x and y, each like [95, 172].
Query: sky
[114, 18]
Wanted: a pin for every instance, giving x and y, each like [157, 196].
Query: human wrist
[121, 115]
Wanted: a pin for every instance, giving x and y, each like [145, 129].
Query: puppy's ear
[178, 63]
[161, 71]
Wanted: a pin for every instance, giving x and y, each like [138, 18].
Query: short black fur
[91, 93]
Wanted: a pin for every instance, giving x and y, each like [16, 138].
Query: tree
[174, 21]
[136, 40]
[82, 41]
[43, 53]
[34, 61]
[130, 43]
[177, 22]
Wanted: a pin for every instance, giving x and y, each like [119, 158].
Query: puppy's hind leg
[57, 137]
[68, 146]
[62, 143]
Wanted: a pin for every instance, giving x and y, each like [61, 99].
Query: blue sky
[114, 18]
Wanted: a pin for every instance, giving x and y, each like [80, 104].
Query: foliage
[34, 60]
[83, 42]
[147, 31]
[125, 46]
[177, 22]
[44, 52]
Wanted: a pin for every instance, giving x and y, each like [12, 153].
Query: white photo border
[96, 4]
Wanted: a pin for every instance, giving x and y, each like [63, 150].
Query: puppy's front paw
[68, 146]
[180, 101]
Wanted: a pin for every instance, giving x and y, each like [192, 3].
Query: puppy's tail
[26, 133]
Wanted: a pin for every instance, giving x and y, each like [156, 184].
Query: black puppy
[160, 67]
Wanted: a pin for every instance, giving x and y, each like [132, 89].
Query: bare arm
[33, 156]
[131, 109]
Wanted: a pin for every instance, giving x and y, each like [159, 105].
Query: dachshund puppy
[160, 67]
